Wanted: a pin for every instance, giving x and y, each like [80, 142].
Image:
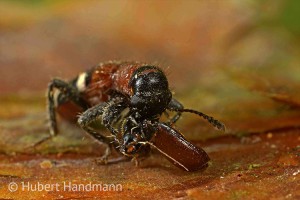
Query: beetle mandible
[129, 98]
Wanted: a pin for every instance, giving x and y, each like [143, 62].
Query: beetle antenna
[216, 123]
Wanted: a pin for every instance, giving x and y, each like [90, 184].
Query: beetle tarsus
[104, 159]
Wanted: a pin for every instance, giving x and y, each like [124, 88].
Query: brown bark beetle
[129, 98]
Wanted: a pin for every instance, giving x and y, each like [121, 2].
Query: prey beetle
[129, 99]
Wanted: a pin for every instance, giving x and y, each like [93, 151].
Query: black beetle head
[151, 93]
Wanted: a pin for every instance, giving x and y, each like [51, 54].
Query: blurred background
[235, 60]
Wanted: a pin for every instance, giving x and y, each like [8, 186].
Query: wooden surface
[251, 165]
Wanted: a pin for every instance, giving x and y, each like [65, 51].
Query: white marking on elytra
[80, 84]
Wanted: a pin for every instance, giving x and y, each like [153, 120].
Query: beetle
[129, 98]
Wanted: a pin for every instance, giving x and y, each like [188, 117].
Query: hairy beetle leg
[66, 91]
[89, 116]
[95, 113]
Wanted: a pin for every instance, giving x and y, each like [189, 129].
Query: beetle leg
[108, 111]
[136, 161]
[141, 156]
[175, 105]
[113, 160]
[103, 159]
[111, 113]
[91, 115]
[68, 92]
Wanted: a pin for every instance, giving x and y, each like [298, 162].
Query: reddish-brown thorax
[107, 77]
